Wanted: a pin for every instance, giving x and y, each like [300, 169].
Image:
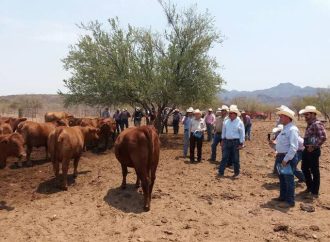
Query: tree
[144, 68]
[321, 100]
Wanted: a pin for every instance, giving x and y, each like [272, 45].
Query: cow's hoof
[64, 188]
[75, 176]
[146, 209]
[137, 186]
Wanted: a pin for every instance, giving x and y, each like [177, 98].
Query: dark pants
[248, 132]
[311, 170]
[216, 141]
[118, 126]
[209, 128]
[230, 153]
[123, 124]
[176, 127]
[287, 186]
[193, 142]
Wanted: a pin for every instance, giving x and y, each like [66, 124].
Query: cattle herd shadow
[4, 206]
[38, 162]
[51, 186]
[128, 200]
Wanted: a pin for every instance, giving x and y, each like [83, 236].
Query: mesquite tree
[115, 65]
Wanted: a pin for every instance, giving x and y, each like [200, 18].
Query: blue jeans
[216, 141]
[186, 142]
[230, 153]
[209, 128]
[248, 132]
[287, 186]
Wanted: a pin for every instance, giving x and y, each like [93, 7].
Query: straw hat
[281, 107]
[234, 109]
[197, 111]
[310, 109]
[287, 112]
[278, 128]
[190, 110]
[210, 110]
[224, 108]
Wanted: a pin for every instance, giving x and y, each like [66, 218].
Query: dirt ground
[189, 202]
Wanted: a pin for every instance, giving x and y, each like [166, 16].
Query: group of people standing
[290, 148]
[225, 127]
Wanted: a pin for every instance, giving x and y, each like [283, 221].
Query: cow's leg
[56, 167]
[75, 166]
[28, 155]
[137, 183]
[153, 177]
[65, 167]
[46, 148]
[145, 182]
[124, 171]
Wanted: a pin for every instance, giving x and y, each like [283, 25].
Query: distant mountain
[280, 94]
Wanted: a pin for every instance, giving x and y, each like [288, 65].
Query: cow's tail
[148, 134]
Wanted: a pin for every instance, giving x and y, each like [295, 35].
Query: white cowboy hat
[210, 110]
[278, 128]
[197, 111]
[218, 110]
[190, 110]
[281, 107]
[310, 109]
[234, 109]
[176, 110]
[224, 108]
[287, 112]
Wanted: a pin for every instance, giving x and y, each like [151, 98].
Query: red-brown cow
[36, 135]
[11, 145]
[5, 128]
[13, 122]
[139, 148]
[66, 143]
[54, 116]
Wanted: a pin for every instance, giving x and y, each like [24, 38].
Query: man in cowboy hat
[233, 137]
[186, 121]
[247, 125]
[209, 120]
[197, 128]
[315, 136]
[221, 116]
[286, 146]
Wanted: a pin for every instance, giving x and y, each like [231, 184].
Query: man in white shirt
[197, 128]
[286, 145]
[233, 137]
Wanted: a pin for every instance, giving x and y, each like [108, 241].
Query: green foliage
[117, 65]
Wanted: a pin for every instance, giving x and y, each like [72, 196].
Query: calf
[11, 145]
[66, 143]
[36, 135]
[139, 148]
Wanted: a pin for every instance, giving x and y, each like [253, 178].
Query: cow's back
[36, 134]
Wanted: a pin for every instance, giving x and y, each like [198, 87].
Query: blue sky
[266, 42]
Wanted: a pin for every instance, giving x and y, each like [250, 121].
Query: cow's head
[14, 146]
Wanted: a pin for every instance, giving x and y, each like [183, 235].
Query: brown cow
[5, 128]
[13, 122]
[36, 135]
[139, 148]
[11, 145]
[66, 143]
[54, 116]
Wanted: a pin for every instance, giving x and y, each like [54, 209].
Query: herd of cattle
[65, 137]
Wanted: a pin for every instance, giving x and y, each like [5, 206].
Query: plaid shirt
[315, 131]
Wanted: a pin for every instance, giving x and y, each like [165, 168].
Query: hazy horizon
[266, 42]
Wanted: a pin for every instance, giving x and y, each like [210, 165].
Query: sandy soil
[189, 202]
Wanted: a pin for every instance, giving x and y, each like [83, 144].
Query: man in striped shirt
[315, 136]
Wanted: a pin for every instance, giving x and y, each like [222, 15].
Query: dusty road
[189, 202]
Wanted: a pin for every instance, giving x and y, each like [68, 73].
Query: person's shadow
[4, 206]
[51, 186]
[128, 200]
[274, 205]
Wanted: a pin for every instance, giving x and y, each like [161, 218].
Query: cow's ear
[22, 119]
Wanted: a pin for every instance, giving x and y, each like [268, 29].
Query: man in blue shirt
[186, 121]
[233, 137]
[286, 145]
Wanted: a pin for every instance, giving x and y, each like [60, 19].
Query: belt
[218, 132]
[231, 139]
[280, 154]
